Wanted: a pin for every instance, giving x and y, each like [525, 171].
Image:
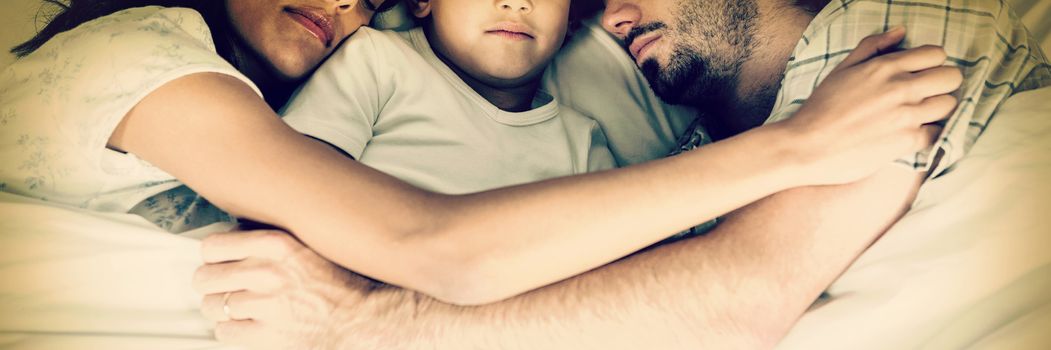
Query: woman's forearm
[511, 240]
[458, 248]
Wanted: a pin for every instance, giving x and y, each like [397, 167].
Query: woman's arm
[213, 133]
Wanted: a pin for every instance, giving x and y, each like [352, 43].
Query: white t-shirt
[60, 104]
[387, 100]
[594, 75]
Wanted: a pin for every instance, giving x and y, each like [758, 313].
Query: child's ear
[419, 8]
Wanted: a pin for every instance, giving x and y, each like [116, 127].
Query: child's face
[500, 42]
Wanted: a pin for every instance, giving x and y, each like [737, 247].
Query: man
[741, 286]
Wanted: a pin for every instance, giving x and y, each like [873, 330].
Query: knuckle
[955, 75]
[200, 278]
[884, 67]
[898, 92]
[937, 52]
[277, 240]
[205, 303]
[223, 331]
[209, 242]
[261, 268]
[267, 276]
[871, 40]
[271, 282]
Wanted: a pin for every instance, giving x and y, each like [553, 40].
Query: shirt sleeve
[70, 94]
[106, 67]
[343, 99]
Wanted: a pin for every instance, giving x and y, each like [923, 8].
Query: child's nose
[523, 6]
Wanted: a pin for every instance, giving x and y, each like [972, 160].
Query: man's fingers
[935, 81]
[238, 245]
[933, 109]
[918, 58]
[212, 307]
[872, 46]
[927, 136]
[251, 274]
[236, 332]
[242, 305]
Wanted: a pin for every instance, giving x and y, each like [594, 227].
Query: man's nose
[620, 17]
[515, 6]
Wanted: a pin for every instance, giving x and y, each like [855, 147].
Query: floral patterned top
[60, 104]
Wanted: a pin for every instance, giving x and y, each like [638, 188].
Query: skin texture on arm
[741, 286]
[245, 160]
[236, 152]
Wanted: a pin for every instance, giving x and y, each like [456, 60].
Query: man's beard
[687, 81]
[713, 40]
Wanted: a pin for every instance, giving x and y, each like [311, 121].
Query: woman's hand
[873, 109]
[266, 290]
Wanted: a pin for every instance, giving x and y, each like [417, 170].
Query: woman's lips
[315, 22]
[641, 46]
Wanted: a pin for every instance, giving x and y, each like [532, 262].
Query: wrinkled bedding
[969, 266]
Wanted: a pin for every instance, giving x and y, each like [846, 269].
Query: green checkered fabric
[984, 38]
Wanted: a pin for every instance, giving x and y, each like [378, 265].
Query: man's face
[691, 51]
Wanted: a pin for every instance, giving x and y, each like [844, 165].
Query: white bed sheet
[73, 279]
[969, 267]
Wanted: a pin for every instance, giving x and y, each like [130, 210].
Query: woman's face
[294, 36]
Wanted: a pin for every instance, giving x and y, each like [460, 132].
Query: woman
[173, 107]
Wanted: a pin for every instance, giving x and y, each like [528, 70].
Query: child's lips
[511, 30]
[510, 35]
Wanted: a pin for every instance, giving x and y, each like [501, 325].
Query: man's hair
[580, 10]
[63, 15]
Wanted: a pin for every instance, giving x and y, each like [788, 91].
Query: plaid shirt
[984, 38]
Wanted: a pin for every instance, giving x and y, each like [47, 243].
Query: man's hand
[278, 294]
[872, 109]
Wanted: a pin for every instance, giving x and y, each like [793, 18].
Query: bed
[969, 265]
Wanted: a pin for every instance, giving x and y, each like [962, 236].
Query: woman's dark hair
[63, 15]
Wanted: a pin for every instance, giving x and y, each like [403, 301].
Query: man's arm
[742, 286]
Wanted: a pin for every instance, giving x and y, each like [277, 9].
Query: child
[453, 106]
